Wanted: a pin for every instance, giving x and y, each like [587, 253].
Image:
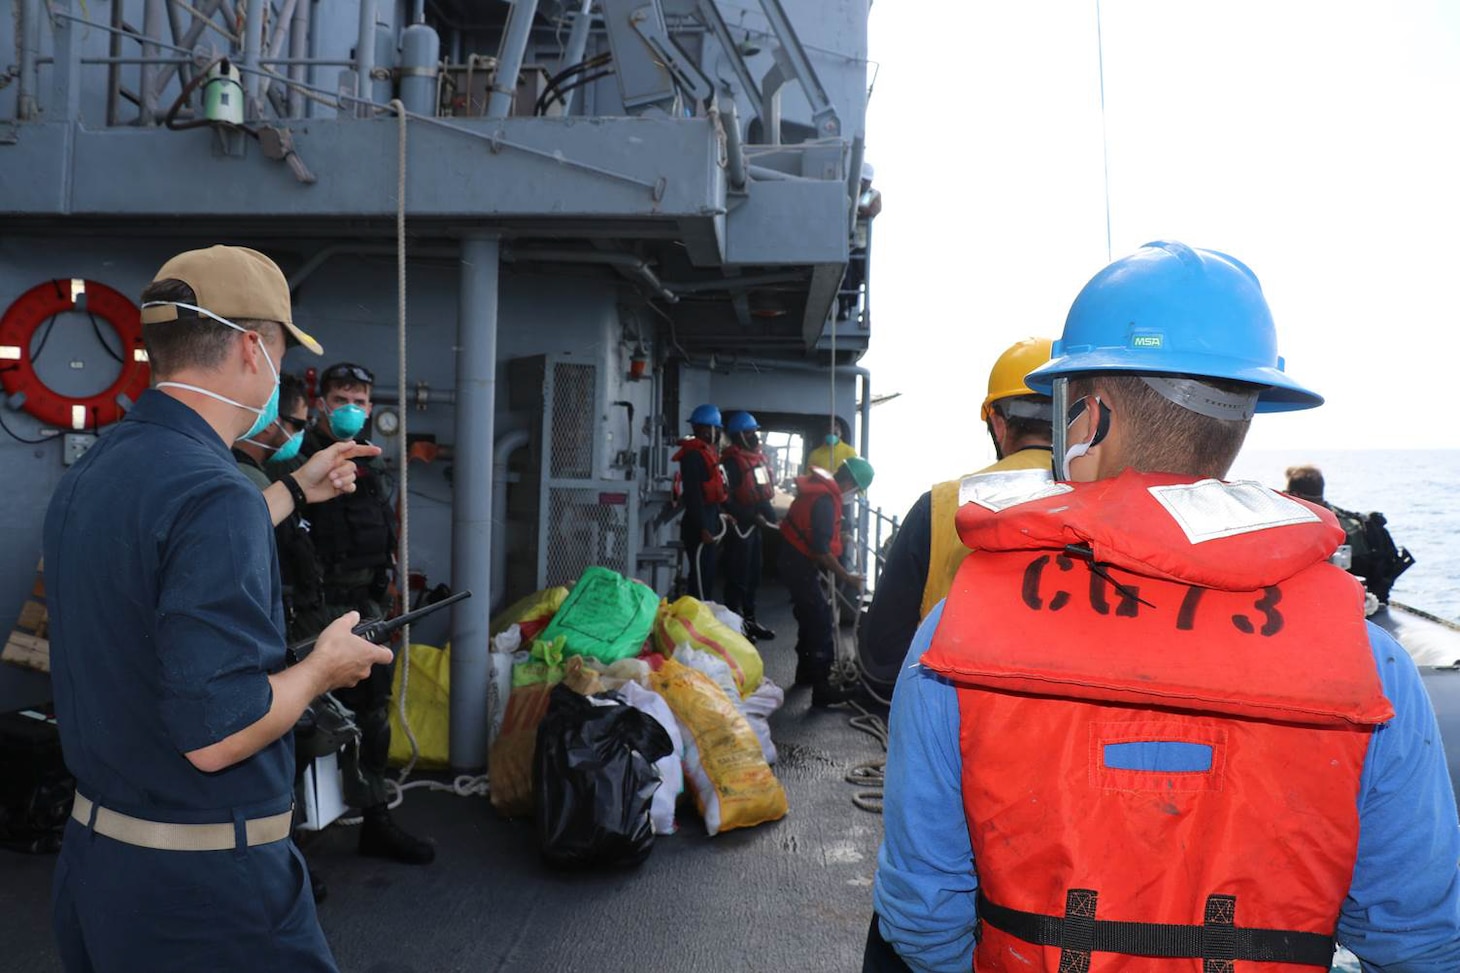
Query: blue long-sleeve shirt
[1402, 912]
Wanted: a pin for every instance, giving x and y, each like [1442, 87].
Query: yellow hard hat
[1006, 380]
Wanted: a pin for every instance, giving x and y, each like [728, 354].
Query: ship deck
[792, 894]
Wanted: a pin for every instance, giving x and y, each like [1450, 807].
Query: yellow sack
[689, 621]
[733, 786]
[427, 707]
[532, 613]
[510, 758]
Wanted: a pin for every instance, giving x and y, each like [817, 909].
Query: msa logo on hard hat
[1147, 341]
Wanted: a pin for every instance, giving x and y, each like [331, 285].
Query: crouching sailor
[167, 649]
[1150, 719]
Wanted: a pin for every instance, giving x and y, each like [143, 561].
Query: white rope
[403, 555]
[869, 775]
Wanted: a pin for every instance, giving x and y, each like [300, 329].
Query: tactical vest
[300, 572]
[1098, 620]
[796, 528]
[354, 531]
[754, 485]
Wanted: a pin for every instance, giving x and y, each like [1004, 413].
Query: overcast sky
[1315, 141]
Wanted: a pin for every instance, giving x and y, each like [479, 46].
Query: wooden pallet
[29, 643]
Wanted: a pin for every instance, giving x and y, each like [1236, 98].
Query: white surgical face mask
[270, 410]
[1099, 428]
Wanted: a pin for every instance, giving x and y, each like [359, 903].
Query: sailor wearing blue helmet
[1149, 719]
[701, 493]
[751, 486]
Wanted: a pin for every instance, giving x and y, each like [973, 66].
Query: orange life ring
[17, 372]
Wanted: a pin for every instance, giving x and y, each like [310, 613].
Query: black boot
[826, 692]
[758, 632]
[803, 673]
[381, 837]
[317, 888]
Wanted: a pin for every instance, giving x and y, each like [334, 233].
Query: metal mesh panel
[574, 411]
[585, 527]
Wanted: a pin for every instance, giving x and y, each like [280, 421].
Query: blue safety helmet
[1169, 309]
[705, 415]
[740, 422]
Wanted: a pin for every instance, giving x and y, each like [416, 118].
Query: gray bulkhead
[620, 232]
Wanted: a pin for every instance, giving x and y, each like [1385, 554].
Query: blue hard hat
[705, 415]
[740, 422]
[1170, 309]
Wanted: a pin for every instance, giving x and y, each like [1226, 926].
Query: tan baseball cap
[233, 283]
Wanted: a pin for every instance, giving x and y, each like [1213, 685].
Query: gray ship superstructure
[612, 210]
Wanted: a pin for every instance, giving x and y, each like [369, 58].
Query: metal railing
[873, 541]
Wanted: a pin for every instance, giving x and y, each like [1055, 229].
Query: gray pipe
[298, 51]
[734, 149]
[30, 26]
[764, 173]
[854, 177]
[507, 444]
[471, 510]
[627, 261]
[577, 47]
[204, 12]
[418, 397]
[253, 49]
[114, 70]
[154, 18]
[324, 254]
[420, 50]
[365, 54]
[509, 58]
[418, 12]
[275, 43]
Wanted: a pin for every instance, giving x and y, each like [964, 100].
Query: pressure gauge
[387, 422]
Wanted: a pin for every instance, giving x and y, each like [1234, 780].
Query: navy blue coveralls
[815, 627]
[743, 550]
[166, 619]
[699, 516]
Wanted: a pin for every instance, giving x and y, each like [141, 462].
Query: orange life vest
[796, 528]
[1150, 609]
[754, 485]
[713, 489]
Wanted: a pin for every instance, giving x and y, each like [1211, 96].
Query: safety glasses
[346, 372]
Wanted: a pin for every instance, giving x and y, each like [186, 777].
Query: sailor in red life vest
[1150, 729]
[702, 494]
[811, 542]
[751, 485]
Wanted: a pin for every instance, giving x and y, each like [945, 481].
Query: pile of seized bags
[605, 703]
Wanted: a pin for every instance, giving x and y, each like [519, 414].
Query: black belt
[1218, 941]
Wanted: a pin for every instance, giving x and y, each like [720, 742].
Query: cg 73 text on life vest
[1267, 622]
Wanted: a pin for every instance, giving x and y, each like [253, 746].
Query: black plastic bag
[594, 778]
